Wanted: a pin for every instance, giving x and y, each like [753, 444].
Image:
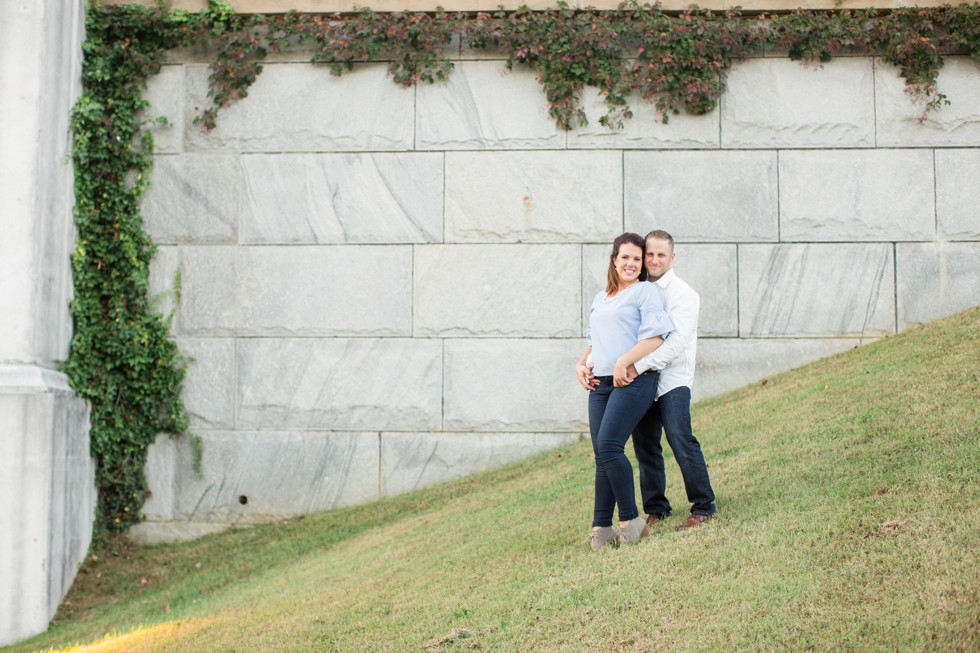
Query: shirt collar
[665, 280]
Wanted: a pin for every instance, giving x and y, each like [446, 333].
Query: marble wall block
[958, 194]
[848, 195]
[497, 290]
[712, 270]
[781, 103]
[162, 290]
[485, 106]
[514, 385]
[303, 108]
[251, 477]
[533, 196]
[209, 388]
[725, 364]
[340, 384]
[646, 129]
[842, 290]
[193, 198]
[150, 533]
[161, 479]
[595, 265]
[412, 461]
[702, 196]
[899, 119]
[165, 93]
[935, 280]
[298, 290]
[341, 198]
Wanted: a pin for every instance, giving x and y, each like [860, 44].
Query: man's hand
[623, 375]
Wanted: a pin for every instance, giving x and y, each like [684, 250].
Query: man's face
[659, 257]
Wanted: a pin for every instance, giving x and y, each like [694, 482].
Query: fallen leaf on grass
[435, 646]
[892, 527]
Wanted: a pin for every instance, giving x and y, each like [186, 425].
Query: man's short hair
[660, 234]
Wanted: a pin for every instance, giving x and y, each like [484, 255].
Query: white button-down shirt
[675, 358]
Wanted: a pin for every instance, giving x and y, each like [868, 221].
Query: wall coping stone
[32, 378]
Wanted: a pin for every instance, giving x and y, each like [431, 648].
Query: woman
[626, 322]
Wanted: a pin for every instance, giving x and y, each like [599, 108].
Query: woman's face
[628, 263]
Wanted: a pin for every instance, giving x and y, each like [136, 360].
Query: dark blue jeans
[672, 414]
[613, 414]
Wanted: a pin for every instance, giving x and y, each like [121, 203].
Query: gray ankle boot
[635, 530]
[602, 536]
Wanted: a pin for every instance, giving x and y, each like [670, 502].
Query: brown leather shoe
[692, 521]
[654, 519]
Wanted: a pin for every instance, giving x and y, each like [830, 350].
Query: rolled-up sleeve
[653, 315]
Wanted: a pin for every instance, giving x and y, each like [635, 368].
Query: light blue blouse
[617, 324]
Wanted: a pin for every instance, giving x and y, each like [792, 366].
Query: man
[672, 410]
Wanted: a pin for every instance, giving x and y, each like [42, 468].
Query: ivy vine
[122, 359]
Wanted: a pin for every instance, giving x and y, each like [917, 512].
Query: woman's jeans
[613, 414]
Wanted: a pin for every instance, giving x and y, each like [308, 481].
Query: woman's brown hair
[612, 279]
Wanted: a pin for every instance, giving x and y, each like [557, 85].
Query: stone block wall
[384, 288]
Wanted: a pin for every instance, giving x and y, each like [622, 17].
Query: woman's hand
[583, 373]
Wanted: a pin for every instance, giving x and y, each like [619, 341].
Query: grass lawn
[848, 518]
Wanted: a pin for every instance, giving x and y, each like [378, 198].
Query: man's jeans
[672, 412]
[613, 414]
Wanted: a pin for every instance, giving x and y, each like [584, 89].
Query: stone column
[47, 491]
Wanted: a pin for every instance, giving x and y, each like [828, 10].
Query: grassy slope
[849, 515]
